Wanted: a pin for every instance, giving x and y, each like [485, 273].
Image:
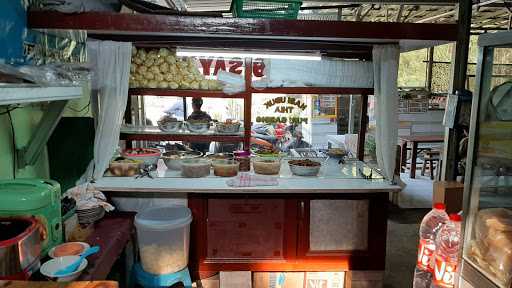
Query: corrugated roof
[487, 14]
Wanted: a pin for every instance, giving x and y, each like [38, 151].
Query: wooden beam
[238, 28]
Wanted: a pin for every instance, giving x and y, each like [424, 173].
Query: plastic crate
[280, 9]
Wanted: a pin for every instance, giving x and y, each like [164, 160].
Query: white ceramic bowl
[52, 251]
[49, 268]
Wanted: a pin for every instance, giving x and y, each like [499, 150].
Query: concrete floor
[402, 245]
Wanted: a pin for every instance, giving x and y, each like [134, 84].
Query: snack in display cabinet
[123, 167]
[492, 246]
[160, 68]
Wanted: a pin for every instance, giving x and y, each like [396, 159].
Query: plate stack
[89, 216]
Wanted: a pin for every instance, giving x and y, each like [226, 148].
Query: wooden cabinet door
[245, 229]
[241, 232]
[346, 230]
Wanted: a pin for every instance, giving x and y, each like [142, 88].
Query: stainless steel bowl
[198, 126]
[225, 128]
[172, 159]
[20, 246]
[174, 126]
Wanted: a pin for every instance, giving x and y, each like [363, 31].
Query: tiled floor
[417, 192]
[403, 226]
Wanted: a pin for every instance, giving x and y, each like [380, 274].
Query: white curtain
[110, 62]
[385, 74]
[324, 73]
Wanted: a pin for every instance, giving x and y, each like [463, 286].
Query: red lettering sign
[233, 66]
[425, 252]
[444, 273]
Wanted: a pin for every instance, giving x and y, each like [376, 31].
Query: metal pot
[20, 247]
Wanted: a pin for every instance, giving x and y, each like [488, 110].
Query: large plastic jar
[163, 236]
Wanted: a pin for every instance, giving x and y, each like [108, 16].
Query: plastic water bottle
[430, 225]
[446, 256]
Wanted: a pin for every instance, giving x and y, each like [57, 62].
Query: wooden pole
[362, 130]
[459, 72]
[247, 104]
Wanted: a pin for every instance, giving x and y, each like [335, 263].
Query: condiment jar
[244, 158]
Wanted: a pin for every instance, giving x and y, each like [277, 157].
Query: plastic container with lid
[244, 158]
[163, 236]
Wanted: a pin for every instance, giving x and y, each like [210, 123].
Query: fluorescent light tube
[190, 52]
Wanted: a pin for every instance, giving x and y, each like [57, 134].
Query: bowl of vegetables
[305, 167]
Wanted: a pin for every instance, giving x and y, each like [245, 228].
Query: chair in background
[430, 157]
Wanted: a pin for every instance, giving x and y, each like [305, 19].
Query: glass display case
[487, 253]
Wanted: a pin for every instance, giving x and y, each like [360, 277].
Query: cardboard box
[325, 280]
[450, 193]
[235, 279]
[212, 282]
[278, 280]
[365, 279]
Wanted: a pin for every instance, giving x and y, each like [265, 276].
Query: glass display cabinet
[487, 253]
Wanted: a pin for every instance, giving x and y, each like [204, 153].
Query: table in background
[415, 140]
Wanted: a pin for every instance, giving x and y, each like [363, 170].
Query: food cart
[334, 221]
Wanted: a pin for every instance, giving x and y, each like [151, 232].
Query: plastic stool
[148, 280]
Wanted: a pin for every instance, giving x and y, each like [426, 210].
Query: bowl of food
[173, 158]
[220, 156]
[169, 124]
[225, 168]
[228, 127]
[198, 126]
[305, 167]
[267, 152]
[68, 249]
[149, 156]
[266, 166]
[337, 152]
[49, 268]
[195, 168]
[123, 167]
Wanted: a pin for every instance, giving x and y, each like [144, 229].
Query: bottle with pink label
[446, 257]
[430, 226]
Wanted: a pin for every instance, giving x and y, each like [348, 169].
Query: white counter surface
[333, 178]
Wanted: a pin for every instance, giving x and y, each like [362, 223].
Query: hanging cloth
[385, 74]
[110, 62]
